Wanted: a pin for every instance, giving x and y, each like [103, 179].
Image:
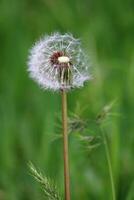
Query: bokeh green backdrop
[27, 114]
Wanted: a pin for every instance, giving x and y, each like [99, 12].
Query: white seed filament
[63, 59]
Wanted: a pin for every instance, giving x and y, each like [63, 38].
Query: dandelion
[58, 63]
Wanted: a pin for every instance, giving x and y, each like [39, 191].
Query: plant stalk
[65, 146]
[109, 164]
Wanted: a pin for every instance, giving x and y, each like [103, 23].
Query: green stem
[65, 146]
[109, 163]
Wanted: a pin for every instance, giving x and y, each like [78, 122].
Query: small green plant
[48, 186]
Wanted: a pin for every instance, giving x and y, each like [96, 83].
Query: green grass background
[28, 114]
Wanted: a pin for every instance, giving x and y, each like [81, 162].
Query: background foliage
[28, 115]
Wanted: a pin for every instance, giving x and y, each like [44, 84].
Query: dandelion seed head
[58, 62]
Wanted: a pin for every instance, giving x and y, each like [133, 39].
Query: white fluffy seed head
[58, 62]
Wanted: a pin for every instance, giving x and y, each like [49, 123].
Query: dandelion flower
[58, 62]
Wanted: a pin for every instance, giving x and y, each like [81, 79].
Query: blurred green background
[28, 115]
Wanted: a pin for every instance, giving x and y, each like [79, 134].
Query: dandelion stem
[109, 163]
[65, 146]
